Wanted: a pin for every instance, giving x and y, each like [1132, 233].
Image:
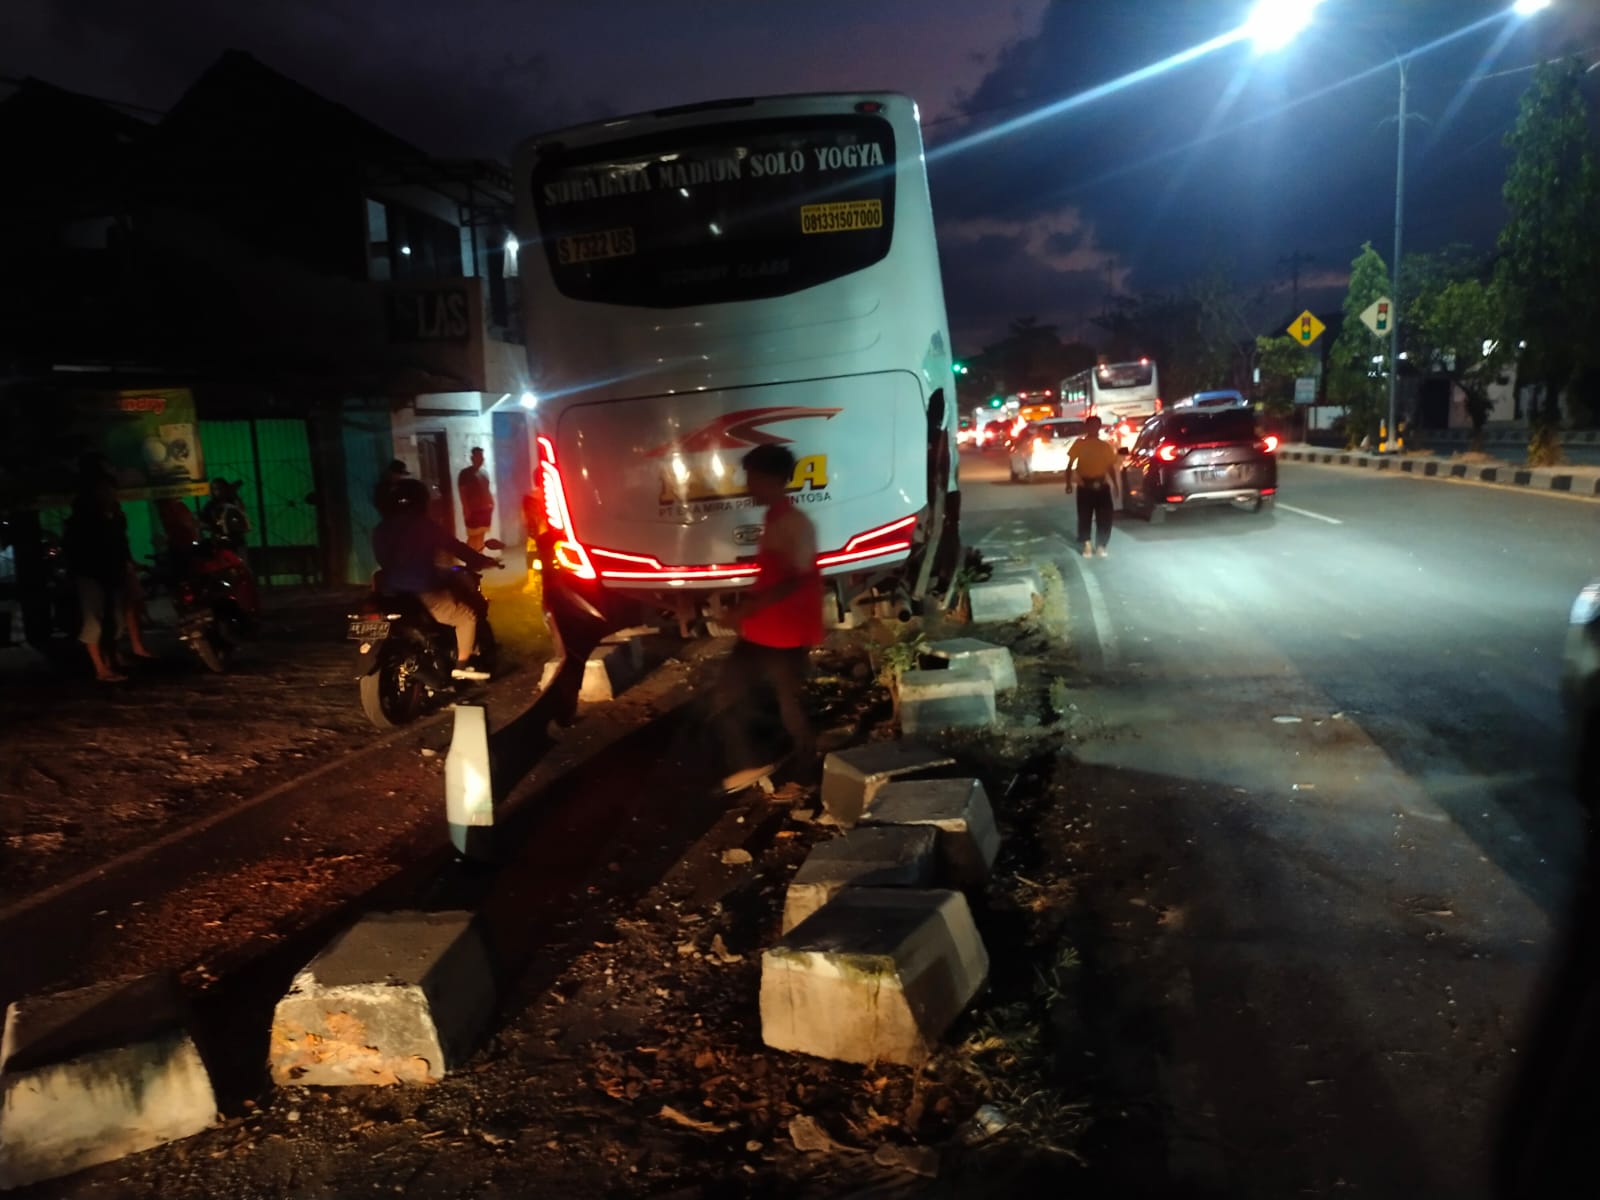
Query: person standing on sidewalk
[477, 500]
[1092, 467]
[779, 623]
[96, 543]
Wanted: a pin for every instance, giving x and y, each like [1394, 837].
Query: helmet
[411, 495]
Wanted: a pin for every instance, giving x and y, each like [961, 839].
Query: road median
[1568, 479]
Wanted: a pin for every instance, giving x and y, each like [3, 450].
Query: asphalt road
[1326, 743]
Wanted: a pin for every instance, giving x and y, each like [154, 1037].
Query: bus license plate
[587, 247]
[368, 631]
[841, 217]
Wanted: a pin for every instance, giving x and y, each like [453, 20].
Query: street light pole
[1399, 223]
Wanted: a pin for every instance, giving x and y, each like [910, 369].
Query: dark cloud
[1228, 160]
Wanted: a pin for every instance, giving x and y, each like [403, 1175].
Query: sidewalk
[1572, 478]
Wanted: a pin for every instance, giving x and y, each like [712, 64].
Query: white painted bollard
[468, 785]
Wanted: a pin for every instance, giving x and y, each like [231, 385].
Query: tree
[1282, 360]
[1464, 325]
[1549, 267]
[1352, 381]
[1032, 357]
[1193, 336]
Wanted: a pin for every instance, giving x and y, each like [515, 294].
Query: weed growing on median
[1006, 1055]
[1544, 447]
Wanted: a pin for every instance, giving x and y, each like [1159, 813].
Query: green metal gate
[270, 460]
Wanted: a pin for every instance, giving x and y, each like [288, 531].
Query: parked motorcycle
[215, 599]
[407, 656]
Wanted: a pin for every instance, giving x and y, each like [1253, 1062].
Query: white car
[1041, 448]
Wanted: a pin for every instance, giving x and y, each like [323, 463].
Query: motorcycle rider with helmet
[408, 545]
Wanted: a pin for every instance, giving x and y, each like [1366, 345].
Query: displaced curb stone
[612, 668]
[958, 809]
[1000, 598]
[874, 975]
[898, 856]
[397, 998]
[92, 1075]
[1010, 571]
[959, 697]
[972, 651]
[850, 778]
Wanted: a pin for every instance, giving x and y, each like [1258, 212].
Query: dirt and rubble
[628, 1059]
[90, 771]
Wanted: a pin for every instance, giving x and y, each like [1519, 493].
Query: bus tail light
[1167, 452]
[885, 539]
[567, 553]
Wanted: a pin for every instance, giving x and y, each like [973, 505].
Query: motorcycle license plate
[368, 631]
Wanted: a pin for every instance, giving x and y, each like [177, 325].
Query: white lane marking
[1105, 633]
[1308, 513]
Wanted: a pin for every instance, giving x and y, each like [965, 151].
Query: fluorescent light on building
[405, 249]
[512, 245]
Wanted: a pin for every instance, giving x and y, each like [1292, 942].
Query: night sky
[1229, 161]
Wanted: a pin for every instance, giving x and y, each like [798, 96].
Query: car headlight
[1587, 606]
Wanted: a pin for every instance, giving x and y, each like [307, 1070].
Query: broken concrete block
[874, 975]
[1000, 598]
[958, 809]
[92, 1075]
[1019, 570]
[609, 671]
[960, 652]
[397, 998]
[887, 857]
[850, 778]
[955, 698]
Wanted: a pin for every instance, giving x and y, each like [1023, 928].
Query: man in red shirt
[778, 623]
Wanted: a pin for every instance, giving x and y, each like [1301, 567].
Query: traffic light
[959, 368]
[996, 401]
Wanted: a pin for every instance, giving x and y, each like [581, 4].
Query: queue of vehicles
[1204, 449]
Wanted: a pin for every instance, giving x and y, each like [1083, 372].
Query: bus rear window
[1125, 375]
[731, 212]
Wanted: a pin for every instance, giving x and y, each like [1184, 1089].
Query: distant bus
[1031, 407]
[1123, 395]
[701, 280]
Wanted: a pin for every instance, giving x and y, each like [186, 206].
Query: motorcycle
[406, 656]
[215, 599]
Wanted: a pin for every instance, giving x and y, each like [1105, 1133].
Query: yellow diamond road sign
[1305, 328]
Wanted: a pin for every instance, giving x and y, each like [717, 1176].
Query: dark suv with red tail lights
[1193, 456]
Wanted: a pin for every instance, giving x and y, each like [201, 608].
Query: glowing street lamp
[1273, 24]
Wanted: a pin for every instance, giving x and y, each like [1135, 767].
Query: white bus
[1123, 395]
[701, 280]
